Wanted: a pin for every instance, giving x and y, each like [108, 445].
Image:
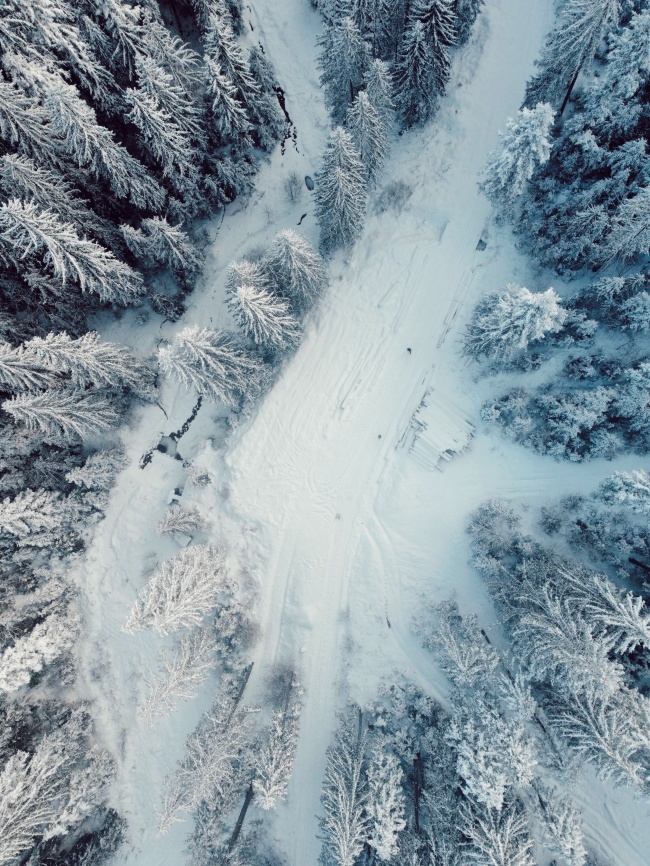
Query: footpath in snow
[332, 498]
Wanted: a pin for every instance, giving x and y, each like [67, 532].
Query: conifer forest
[324, 432]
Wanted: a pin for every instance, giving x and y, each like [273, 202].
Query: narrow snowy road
[316, 467]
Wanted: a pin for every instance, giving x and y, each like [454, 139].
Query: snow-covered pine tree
[216, 363]
[184, 519]
[264, 317]
[526, 144]
[414, 69]
[21, 371]
[216, 763]
[494, 754]
[627, 489]
[184, 670]
[562, 826]
[58, 785]
[156, 242]
[182, 591]
[341, 192]
[63, 414]
[275, 763]
[610, 731]
[379, 89]
[89, 360]
[569, 48]
[344, 796]
[25, 229]
[386, 804]
[369, 133]
[343, 62]
[296, 271]
[174, 98]
[505, 323]
[465, 656]
[167, 144]
[555, 645]
[466, 13]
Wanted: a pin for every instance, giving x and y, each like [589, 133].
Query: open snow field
[337, 497]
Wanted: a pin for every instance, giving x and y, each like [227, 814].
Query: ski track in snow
[343, 530]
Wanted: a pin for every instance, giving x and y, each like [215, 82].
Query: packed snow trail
[344, 531]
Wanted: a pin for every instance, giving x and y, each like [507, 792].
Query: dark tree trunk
[250, 793]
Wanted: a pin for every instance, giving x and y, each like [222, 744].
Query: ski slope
[345, 495]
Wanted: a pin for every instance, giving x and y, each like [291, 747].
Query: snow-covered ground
[327, 497]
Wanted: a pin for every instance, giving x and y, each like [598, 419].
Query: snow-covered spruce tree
[89, 360]
[47, 642]
[31, 512]
[386, 804]
[275, 762]
[21, 178]
[63, 415]
[156, 242]
[167, 143]
[343, 62]
[379, 89]
[183, 671]
[505, 323]
[93, 148]
[341, 192]
[422, 68]
[264, 317]
[222, 48]
[229, 113]
[296, 271]
[498, 838]
[216, 363]
[556, 646]
[466, 12]
[182, 591]
[369, 133]
[569, 48]
[56, 787]
[25, 229]
[630, 235]
[494, 755]
[344, 796]
[526, 143]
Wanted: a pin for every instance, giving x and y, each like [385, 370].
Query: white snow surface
[329, 497]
